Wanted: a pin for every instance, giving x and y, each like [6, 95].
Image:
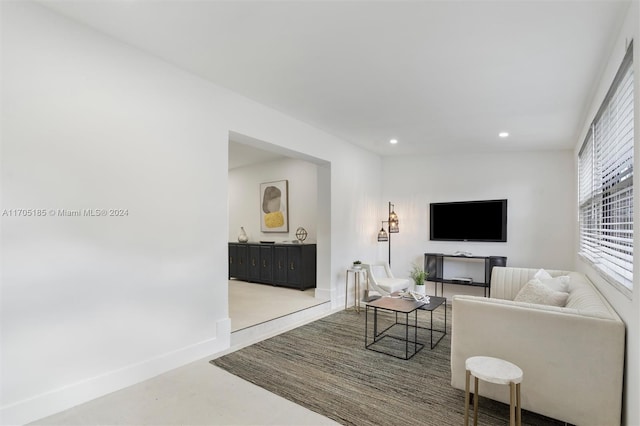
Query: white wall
[90, 305]
[539, 188]
[627, 307]
[244, 198]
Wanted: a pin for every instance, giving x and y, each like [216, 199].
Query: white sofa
[572, 357]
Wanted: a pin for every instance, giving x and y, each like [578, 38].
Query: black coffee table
[398, 307]
[434, 302]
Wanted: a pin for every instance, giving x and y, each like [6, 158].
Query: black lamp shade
[393, 223]
[382, 235]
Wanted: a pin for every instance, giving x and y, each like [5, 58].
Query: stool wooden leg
[519, 412]
[466, 399]
[476, 396]
[512, 405]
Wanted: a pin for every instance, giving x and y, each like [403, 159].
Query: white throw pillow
[560, 283]
[537, 292]
[542, 275]
[557, 283]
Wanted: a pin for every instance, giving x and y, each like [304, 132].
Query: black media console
[434, 265]
[285, 265]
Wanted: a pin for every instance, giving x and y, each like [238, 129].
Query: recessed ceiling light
[393, 141]
[503, 134]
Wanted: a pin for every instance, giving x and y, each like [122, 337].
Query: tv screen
[469, 221]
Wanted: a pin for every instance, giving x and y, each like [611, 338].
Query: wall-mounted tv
[469, 221]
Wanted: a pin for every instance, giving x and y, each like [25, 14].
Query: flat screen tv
[469, 221]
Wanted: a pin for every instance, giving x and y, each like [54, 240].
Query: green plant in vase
[419, 275]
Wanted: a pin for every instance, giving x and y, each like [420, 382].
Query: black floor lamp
[393, 228]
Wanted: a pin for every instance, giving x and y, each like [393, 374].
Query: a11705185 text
[29, 212]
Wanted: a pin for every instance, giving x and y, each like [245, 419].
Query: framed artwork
[274, 206]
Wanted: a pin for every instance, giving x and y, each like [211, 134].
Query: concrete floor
[200, 393]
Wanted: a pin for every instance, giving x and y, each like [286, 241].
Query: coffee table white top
[494, 370]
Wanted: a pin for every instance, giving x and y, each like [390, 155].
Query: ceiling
[439, 76]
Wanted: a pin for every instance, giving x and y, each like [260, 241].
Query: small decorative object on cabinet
[242, 236]
[301, 234]
[357, 264]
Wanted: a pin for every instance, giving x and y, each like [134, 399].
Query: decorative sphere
[301, 234]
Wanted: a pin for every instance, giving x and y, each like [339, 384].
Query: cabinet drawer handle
[279, 264]
[264, 263]
[253, 262]
[291, 266]
[240, 261]
[231, 260]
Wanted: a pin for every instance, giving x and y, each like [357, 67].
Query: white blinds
[588, 207]
[605, 167]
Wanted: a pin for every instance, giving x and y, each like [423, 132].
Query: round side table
[493, 370]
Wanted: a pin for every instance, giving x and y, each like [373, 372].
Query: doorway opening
[253, 162]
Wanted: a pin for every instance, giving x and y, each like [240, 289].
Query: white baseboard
[259, 332]
[323, 294]
[69, 396]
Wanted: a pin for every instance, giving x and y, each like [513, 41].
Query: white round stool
[493, 370]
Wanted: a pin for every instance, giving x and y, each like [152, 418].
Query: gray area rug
[325, 367]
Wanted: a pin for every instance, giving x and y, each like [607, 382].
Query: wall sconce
[392, 220]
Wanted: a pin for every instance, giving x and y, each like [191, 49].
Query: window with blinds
[605, 174]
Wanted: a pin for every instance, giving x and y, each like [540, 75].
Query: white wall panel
[539, 188]
[93, 304]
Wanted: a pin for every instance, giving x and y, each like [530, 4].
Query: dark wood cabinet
[242, 256]
[280, 264]
[287, 265]
[266, 264]
[238, 261]
[253, 264]
[294, 266]
[233, 261]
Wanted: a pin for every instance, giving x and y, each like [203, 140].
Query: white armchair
[384, 282]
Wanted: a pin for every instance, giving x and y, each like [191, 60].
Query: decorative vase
[242, 236]
[420, 289]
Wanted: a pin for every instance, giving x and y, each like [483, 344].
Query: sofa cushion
[537, 292]
[585, 298]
